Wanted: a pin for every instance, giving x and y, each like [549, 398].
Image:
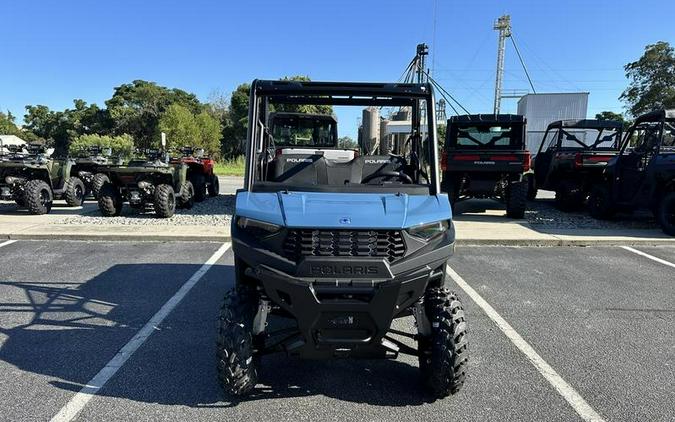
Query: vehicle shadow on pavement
[374, 382]
[65, 332]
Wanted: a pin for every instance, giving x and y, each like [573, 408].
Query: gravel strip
[211, 212]
[543, 214]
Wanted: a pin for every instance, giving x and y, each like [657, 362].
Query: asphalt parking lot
[603, 319]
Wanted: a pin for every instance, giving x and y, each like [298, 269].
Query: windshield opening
[345, 144]
[591, 139]
[298, 129]
[492, 136]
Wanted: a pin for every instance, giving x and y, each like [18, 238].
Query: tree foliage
[183, 128]
[122, 145]
[346, 142]
[136, 109]
[59, 127]
[652, 80]
[8, 125]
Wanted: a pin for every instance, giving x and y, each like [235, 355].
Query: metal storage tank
[370, 132]
[542, 109]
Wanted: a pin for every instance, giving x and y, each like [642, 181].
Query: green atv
[33, 180]
[88, 168]
[144, 183]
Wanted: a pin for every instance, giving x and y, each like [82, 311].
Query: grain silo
[370, 132]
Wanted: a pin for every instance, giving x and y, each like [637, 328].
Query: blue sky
[54, 51]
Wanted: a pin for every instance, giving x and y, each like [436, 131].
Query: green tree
[209, 133]
[652, 80]
[8, 125]
[183, 128]
[346, 142]
[179, 125]
[122, 145]
[235, 123]
[59, 127]
[136, 108]
[609, 115]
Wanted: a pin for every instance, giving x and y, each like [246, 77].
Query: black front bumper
[340, 315]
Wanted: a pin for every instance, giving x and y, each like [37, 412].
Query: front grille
[367, 243]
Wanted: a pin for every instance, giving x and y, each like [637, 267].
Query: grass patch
[232, 167]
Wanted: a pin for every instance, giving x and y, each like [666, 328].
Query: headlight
[144, 184]
[428, 231]
[257, 228]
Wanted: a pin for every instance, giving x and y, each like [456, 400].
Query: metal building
[542, 109]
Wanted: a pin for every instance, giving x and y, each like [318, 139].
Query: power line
[513, 41]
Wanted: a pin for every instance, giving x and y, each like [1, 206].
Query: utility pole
[503, 25]
[422, 52]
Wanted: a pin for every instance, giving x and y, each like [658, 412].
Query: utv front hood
[343, 210]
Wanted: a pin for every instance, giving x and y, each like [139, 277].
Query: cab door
[635, 160]
[542, 161]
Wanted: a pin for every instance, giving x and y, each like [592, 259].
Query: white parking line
[77, 403]
[8, 242]
[646, 255]
[562, 387]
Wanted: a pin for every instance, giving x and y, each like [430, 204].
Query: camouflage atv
[146, 182]
[33, 181]
[88, 168]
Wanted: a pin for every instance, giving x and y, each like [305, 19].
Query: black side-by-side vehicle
[571, 158]
[485, 157]
[642, 175]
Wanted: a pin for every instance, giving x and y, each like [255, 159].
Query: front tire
[165, 201]
[600, 203]
[187, 195]
[214, 186]
[238, 361]
[516, 200]
[110, 200]
[97, 183]
[38, 196]
[199, 183]
[665, 214]
[75, 192]
[444, 355]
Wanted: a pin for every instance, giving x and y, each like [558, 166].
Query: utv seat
[368, 165]
[298, 169]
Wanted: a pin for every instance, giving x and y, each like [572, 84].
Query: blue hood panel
[343, 210]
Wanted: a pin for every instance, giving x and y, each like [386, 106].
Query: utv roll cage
[600, 125]
[266, 92]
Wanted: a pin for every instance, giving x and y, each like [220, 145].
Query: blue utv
[338, 250]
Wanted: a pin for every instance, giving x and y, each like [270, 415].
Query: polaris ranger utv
[485, 157]
[305, 133]
[643, 174]
[341, 249]
[572, 156]
[33, 180]
[145, 182]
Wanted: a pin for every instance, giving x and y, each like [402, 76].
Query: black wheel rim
[44, 197]
[79, 194]
[171, 201]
